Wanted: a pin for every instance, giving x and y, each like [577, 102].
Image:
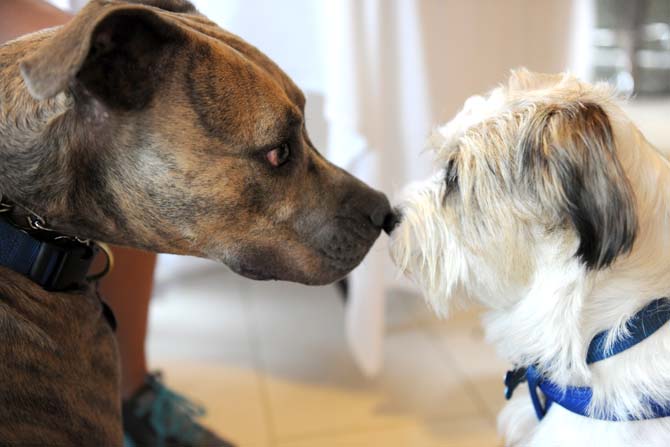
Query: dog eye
[451, 176]
[279, 155]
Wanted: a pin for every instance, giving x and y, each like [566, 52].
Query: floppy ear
[569, 152]
[112, 49]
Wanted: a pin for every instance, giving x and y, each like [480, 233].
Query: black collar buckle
[53, 261]
[512, 380]
[62, 267]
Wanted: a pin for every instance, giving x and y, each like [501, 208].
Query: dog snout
[391, 221]
[380, 210]
[377, 208]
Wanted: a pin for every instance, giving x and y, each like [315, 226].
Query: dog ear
[111, 49]
[570, 151]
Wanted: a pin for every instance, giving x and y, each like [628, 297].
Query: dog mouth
[333, 252]
[346, 245]
[324, 269]
[339, 264]
[254, 273]
[260, 264]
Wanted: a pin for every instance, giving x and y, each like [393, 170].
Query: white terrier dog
[551, 209]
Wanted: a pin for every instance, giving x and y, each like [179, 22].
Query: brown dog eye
[279, 155]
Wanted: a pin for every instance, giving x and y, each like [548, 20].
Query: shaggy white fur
[550, 208]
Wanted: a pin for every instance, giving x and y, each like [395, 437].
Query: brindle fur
[144, 124]
[59, 369]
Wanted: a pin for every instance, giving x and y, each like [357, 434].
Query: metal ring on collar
[109, 265]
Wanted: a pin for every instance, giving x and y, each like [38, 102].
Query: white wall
[471, 45]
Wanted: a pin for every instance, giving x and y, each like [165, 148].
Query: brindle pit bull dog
[144, 124]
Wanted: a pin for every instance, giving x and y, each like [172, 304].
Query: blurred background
[289, 366]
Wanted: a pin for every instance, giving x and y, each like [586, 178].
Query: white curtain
[378, 114]
[362, 67]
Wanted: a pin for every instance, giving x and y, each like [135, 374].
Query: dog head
[530, 182]
[177, 136]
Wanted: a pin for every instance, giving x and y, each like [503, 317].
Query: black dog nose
[391, 221]
[384, 217]
[381, 210]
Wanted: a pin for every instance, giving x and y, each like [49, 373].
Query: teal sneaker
[158, 417]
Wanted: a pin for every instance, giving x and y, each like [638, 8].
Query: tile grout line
[259, 364]
[428, 331]
[358, 430]
[472, 389]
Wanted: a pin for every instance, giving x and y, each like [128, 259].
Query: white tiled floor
[270, 363]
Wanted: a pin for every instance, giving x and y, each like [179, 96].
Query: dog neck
[643, 274]
[629, 285]
[32, 148]
[567, 305]
[45, 144]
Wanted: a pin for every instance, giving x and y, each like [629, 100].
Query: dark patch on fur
[225, 93]
[450, 177]
[209, 102]
[574, 148]
[44, 407]
[311, 166]
[254, 197]
[38, 185]
[35, 367]
[127, 62]
[90, 197]
[231, 96]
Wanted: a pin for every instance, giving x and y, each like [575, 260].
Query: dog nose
[391, 221]
[385, 217]
[380, 211]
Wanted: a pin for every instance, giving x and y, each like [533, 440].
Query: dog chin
[262, 274]
[318, 272]
[257, 274]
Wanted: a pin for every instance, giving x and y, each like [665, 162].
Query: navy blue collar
[577, 399]
[54, 264]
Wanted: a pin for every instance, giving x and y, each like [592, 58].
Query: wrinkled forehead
[237, 50]
[265, 65]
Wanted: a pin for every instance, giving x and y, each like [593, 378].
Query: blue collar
[52, 262]
[577, 399]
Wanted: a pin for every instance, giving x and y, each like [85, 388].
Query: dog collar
[54, 261]
[55, 265]
[578, 399]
